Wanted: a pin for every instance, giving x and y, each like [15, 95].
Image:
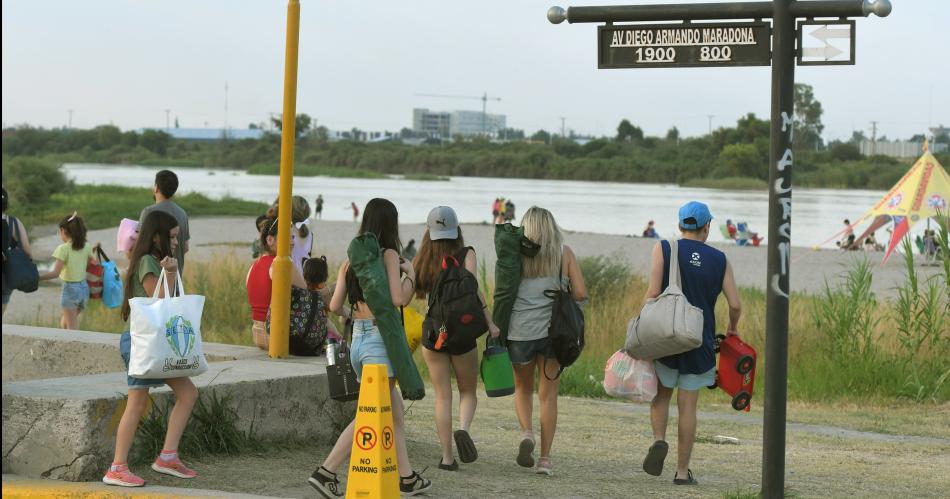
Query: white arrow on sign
[823, 33]
[828, 52]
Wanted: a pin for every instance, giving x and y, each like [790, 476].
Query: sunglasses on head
[529, 248]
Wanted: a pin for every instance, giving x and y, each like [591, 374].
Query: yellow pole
[280, 293]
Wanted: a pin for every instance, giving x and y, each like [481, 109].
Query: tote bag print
[166, 334]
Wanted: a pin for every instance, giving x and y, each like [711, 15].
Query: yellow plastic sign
[373, 472]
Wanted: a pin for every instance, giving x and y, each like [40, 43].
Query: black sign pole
[784, 14]
[780, 223]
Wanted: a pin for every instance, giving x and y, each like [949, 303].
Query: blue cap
[697, 211]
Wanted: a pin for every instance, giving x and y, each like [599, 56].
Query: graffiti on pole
[783, 190]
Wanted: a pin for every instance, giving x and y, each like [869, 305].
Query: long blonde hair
[540, 227]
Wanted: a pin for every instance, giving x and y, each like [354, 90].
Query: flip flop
[653, 463]
[466, 447]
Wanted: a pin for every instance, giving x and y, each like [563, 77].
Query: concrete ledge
[18, 486]
[39, 352]
[64, 427]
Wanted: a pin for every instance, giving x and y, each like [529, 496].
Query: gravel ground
[598, 451]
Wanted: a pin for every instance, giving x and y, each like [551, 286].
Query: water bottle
[331, 353]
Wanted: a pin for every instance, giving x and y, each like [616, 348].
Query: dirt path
[598, 450]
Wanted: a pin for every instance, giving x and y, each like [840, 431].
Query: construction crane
[484, 98]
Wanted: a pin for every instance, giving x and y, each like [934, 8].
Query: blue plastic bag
[112, 290]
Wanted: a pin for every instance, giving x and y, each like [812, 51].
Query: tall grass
[226, 317]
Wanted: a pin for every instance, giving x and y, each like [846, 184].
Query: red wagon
[736, 372]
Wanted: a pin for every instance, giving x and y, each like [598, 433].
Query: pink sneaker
[174, 468]
[124, 478]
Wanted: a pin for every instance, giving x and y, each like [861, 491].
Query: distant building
[209, 134]
[446, 124]
[898, 149]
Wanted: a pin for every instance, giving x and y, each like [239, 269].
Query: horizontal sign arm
[716, 11]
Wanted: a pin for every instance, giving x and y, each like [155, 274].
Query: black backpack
[454, 305]
[566, 332]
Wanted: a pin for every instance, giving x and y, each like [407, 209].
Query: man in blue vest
[705, 273]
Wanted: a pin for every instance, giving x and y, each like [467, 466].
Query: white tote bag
[667, 324]
[166, 334]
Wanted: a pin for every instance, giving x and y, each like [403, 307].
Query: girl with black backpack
[457, 315]
[553, 267]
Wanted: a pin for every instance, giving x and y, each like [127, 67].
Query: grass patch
[730, 183]
[301, 170]
[212, 429]
[103, 206]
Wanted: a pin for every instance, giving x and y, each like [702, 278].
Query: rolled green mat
[507, 275]
[366, 260]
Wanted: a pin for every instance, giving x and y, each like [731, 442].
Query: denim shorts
[125, 349]
[75, 295]
[524, 352]
[671, 378]
[368, 347]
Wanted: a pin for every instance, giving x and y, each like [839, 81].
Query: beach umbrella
[923, 192]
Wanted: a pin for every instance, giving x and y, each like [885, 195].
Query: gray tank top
[531, 315]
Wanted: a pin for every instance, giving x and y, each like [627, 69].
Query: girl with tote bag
[151, 260]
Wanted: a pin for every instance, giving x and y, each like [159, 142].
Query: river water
[603, 207]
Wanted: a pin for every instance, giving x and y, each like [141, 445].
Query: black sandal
[653, 463]
[689, 480]
[418, 484]
[449, 467]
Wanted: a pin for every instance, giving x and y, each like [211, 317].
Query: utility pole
[225, 110]
[167, 119]
[873, 138]
[710, 117]
[562, 127]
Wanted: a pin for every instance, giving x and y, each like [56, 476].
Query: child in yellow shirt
[71, 259]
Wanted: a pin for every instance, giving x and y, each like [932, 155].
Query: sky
[362, 64]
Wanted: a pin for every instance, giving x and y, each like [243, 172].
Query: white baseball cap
[442, 223]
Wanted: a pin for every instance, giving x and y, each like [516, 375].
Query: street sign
[683, 45]
[825, 43]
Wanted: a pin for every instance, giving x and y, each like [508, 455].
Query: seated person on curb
[705, 273]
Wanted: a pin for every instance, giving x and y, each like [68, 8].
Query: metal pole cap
[557, 15]
[880, 8]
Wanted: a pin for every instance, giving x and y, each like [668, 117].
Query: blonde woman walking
[552, 267]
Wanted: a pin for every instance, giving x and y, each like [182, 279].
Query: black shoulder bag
[341, 376]
[566, 332]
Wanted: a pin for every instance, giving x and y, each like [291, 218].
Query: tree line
[736, 152]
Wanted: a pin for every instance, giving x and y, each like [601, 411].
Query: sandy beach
[215, 236]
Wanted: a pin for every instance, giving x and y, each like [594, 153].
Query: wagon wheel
[745, 364]
[741, 400]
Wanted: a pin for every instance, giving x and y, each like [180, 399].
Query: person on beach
[70, 260]
[650, 231]
[13, 230]
[300, 215]
[509, 211]
[356, 211]
[318, 207]
[382, 219]
[260, 279]
[409, 252]
[154, 251]
[166, 185]
[443, 239]
[705, 273]
[496, 211]
[528, 344]
[847, 242]
[731, 229]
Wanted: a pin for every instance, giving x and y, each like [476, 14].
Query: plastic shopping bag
[629, 378]
[113, 292]
[166, 334]
[128, 233]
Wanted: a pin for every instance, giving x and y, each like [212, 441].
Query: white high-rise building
[449, 124]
